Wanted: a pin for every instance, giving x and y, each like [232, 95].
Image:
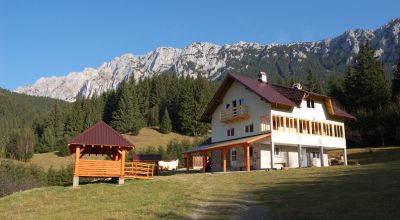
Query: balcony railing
[234, 114]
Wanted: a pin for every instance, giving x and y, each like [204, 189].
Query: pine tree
[165, 125]
[396, 83]
[366, 87]
[127, 117]
[312, 84]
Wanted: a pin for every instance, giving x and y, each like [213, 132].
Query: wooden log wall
[99, 168]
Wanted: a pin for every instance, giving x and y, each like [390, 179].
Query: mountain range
[325, 57]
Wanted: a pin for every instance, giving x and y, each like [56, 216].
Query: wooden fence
[137, 170]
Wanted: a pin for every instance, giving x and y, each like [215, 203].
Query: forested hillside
[33, 124]
[18, 114]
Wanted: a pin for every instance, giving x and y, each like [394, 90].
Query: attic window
[310, 103]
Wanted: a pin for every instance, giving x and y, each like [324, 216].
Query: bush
[61, 177]
[17, 177]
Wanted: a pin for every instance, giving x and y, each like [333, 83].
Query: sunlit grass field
[368, 191]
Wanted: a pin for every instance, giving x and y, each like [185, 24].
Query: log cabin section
[100, 139]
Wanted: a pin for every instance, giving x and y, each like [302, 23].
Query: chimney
[297, 86]
[262, 77]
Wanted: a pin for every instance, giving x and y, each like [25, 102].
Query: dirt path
[235, 208]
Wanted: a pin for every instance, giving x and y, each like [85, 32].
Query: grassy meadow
[369, 191]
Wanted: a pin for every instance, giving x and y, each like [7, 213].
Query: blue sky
[51, 38]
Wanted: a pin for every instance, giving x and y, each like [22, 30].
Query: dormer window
[310, 103]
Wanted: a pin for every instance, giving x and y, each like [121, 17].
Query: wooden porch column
[247, 146]
[224, 160]
[204, 161]
[299, 155]
[345, 156]
[321, 156]
[75, 181]
[187, 163]
[122, 175]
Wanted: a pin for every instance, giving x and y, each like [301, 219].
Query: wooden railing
[234, 113]
[99, 168]
[139, 170]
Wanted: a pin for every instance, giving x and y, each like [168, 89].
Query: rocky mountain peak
[214, 61]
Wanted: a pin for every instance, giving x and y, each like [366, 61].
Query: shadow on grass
[371, 155]
[362, 193]
[370, 192]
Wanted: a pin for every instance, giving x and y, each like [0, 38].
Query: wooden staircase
[138, 170]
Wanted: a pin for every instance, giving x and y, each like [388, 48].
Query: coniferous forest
[34, 125]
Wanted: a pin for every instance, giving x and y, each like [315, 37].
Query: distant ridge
[213, 61]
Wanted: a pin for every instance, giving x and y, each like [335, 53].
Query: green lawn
[370, 191]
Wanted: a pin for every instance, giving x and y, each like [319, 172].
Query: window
[315, 154]
[234, 103]
[241, 101]
[310, 103]
[230, 132]
[251, 151]
[277, 151]
[227, 106]
[233, 153]
[249, 128]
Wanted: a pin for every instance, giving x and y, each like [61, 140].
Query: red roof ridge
[125, 142]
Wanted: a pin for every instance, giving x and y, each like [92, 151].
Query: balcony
[234, 114]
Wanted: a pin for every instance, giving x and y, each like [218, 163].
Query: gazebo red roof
[100, 134]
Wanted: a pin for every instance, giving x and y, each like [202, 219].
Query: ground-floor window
[315, 154]
[233, 155]
[251, 151]
[277, 151]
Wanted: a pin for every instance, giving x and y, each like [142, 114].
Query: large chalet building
[258, 125]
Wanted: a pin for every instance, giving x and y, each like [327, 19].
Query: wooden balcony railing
[234, 114]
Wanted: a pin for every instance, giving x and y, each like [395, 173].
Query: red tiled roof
[294, 95]
[101, 134]
[264, 90]
[274, 94]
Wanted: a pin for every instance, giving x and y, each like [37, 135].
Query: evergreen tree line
[173, 103]
[373, 98]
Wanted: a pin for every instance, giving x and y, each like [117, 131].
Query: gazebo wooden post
[121, 179]
[247, 147]
[75, 181]
[204, 161]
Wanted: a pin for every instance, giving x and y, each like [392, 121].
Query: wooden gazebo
[100, 139]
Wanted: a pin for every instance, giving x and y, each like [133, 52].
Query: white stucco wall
[257, 108]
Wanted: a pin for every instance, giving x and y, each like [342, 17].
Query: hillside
[324, 57]
[146, 137]
[353, 192]
[19, 110]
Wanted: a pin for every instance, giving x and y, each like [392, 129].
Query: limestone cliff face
[214, 61]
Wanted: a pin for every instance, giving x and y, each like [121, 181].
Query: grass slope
[355, 192]
[151, 137]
